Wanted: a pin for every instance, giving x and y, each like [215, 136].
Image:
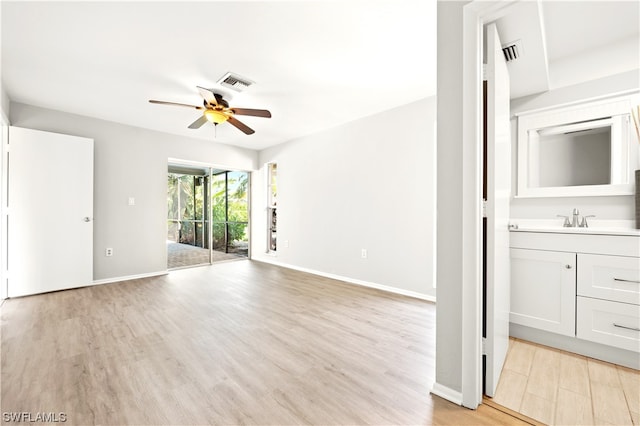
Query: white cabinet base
[600, 276]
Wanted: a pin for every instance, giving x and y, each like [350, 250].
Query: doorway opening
[208, 215]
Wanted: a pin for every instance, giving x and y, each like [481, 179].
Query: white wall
[366, 184]
[130, 162]
[5, 104]
[621, 57]
[450, 197]
[605, 208]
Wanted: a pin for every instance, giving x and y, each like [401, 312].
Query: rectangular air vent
[512, 51]
[235, 82]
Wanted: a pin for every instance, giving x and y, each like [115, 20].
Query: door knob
[87, 219]
[567, 266]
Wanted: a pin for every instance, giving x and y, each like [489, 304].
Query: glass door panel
[230, 214]
[187, 232]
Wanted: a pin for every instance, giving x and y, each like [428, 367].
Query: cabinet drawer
[613, 278]
[610, 323]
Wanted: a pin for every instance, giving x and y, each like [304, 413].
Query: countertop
[596, 227]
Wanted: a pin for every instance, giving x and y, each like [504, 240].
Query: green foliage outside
[185, 199]
[237, 207]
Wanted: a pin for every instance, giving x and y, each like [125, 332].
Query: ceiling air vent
[235, 82]
[512, 51]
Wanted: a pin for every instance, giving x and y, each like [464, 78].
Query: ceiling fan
[216, 110]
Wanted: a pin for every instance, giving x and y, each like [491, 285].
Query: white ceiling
[316, 64]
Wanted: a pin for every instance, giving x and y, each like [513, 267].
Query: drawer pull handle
[626, 281]
[624, 326]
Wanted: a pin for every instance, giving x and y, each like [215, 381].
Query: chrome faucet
[584, 223]
[576, 218]
[576, 221]
[566, 223]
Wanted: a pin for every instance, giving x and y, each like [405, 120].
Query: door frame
[476, 15]
[4, 182]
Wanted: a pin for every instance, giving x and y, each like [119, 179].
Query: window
[272, 218]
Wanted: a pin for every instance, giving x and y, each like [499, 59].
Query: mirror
[578, 151]
[591, 148]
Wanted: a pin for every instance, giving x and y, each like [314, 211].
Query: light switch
[132, 201]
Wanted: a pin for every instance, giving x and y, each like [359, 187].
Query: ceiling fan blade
[254, 112]
[153, 101]
[240, 125]
[208, 95]
[198, 123]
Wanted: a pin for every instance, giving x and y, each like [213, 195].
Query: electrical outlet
[108, 252]
[363, 253]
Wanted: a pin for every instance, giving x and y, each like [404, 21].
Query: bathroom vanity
[578, 289]
[575, 283]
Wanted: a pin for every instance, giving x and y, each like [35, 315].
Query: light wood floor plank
[630, 380]
[574, 374]
[538, 408]
[233, 343]
[588, 391]
[520, 357]
[609, 405]
[603, 373]
[544, 375]
[573, 409]
[511, 388]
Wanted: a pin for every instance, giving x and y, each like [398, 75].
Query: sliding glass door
[208, 216]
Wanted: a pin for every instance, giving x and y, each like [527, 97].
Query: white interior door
[50, 212]
[497, 210]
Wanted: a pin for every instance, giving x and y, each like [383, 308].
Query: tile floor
[561, 388]
[185, 255]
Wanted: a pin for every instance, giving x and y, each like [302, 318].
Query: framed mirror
[583, 150]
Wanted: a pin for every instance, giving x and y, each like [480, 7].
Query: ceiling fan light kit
[215, 116]
[216, 110]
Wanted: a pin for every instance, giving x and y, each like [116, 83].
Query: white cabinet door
[50, 206]
[543, 290]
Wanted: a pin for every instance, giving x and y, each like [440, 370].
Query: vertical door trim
[4, 179]
[475, 15]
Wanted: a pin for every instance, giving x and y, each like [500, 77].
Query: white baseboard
[447, 393]
[129, 277]
[349, 280]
